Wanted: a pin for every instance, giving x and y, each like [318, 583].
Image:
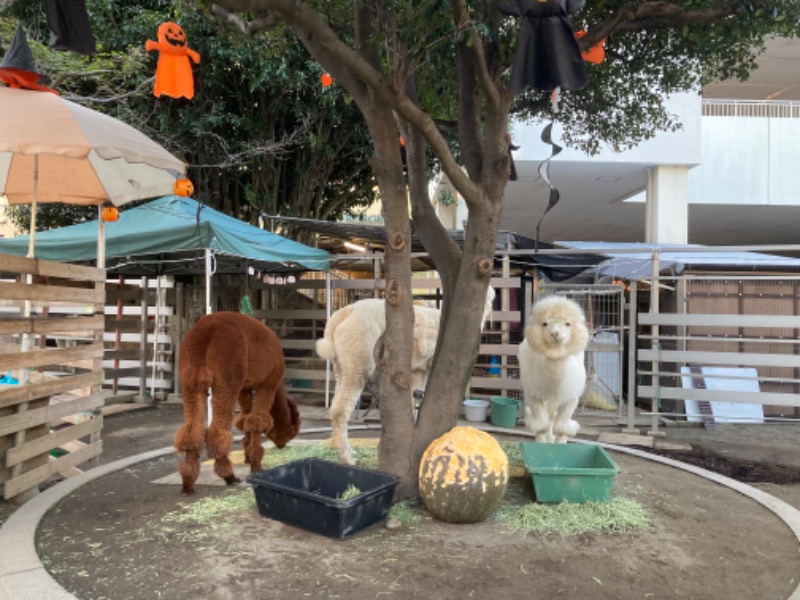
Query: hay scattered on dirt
[208, 510]
[517, 511]
[618, 515]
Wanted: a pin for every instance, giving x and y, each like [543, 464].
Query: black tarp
[556, 267]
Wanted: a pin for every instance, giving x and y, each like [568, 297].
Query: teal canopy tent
[174, 236]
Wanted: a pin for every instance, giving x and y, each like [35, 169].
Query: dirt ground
[108, 540]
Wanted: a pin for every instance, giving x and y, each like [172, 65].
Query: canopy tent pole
[208, 312]
[208, 281]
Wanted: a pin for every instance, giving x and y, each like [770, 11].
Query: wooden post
[655, 330]
[177, 336]
[143, 340]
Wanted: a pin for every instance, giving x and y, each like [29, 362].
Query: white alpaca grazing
[552, 370]
[349, 342]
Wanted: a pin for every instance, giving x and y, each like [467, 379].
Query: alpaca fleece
[349, 341]
[241, 360]
[552, 369]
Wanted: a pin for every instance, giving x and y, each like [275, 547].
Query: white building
[730, 176]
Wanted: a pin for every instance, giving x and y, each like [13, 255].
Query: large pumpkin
[463, 476]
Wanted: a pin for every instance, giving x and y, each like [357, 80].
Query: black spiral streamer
[544, 173]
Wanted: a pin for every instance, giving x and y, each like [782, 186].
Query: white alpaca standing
[349, 342]
[552, 370]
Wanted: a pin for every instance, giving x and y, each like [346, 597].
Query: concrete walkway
[24, 577]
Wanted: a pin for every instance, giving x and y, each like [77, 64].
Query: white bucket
[475, 410]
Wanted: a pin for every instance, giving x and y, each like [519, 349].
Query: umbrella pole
[33, 206]
[101, 239]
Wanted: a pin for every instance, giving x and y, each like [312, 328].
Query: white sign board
[731, 379]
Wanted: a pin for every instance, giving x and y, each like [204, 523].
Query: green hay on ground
[407, 512]
[517, 511]
[208, 510]
[618, 515]
[367, 457]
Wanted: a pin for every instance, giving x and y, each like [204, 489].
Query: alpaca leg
[258, 423]
[537, 420]
[189, 470]
[190, 438]
[245, 406]
[218, 436]
[563, 424]
[348, 391]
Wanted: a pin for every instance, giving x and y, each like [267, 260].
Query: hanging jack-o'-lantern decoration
[326, 80]
[595, 54]
[110, 214]
[174, 71]
[183, 188]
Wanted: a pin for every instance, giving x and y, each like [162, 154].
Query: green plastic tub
[569, 472]
[504, 411]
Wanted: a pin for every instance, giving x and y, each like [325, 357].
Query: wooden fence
[299, 322]
[727, 349]
[50, 396]
[141, 327]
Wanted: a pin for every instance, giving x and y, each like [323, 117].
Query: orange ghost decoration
[174, 72]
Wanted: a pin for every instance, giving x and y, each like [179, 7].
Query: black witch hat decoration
[17, 69]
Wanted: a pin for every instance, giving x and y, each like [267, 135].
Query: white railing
[782, 109]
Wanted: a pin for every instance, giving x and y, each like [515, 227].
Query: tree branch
[247, 27]
[484, 78]
[654, 15]
[349, 68]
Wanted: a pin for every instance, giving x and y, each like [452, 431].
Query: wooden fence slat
[56, 438]
[287, 344]
[51, 293]
[720, 358]
[495, 383]
[765, 398]
[40, 416]
[709, 320]
[50, 324]
[51, 356]
[505, 315]
[499, 349]
[27, 480]
[26, 393]
[49, 268]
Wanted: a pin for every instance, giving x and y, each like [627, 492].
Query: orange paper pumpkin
[183, 188]
[174, 71]
[110, 214]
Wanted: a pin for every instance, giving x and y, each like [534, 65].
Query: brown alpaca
[240, 359]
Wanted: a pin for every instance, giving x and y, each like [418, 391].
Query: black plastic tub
[307, 493]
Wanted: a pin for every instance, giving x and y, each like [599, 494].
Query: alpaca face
[558, 327]
[555, 332]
